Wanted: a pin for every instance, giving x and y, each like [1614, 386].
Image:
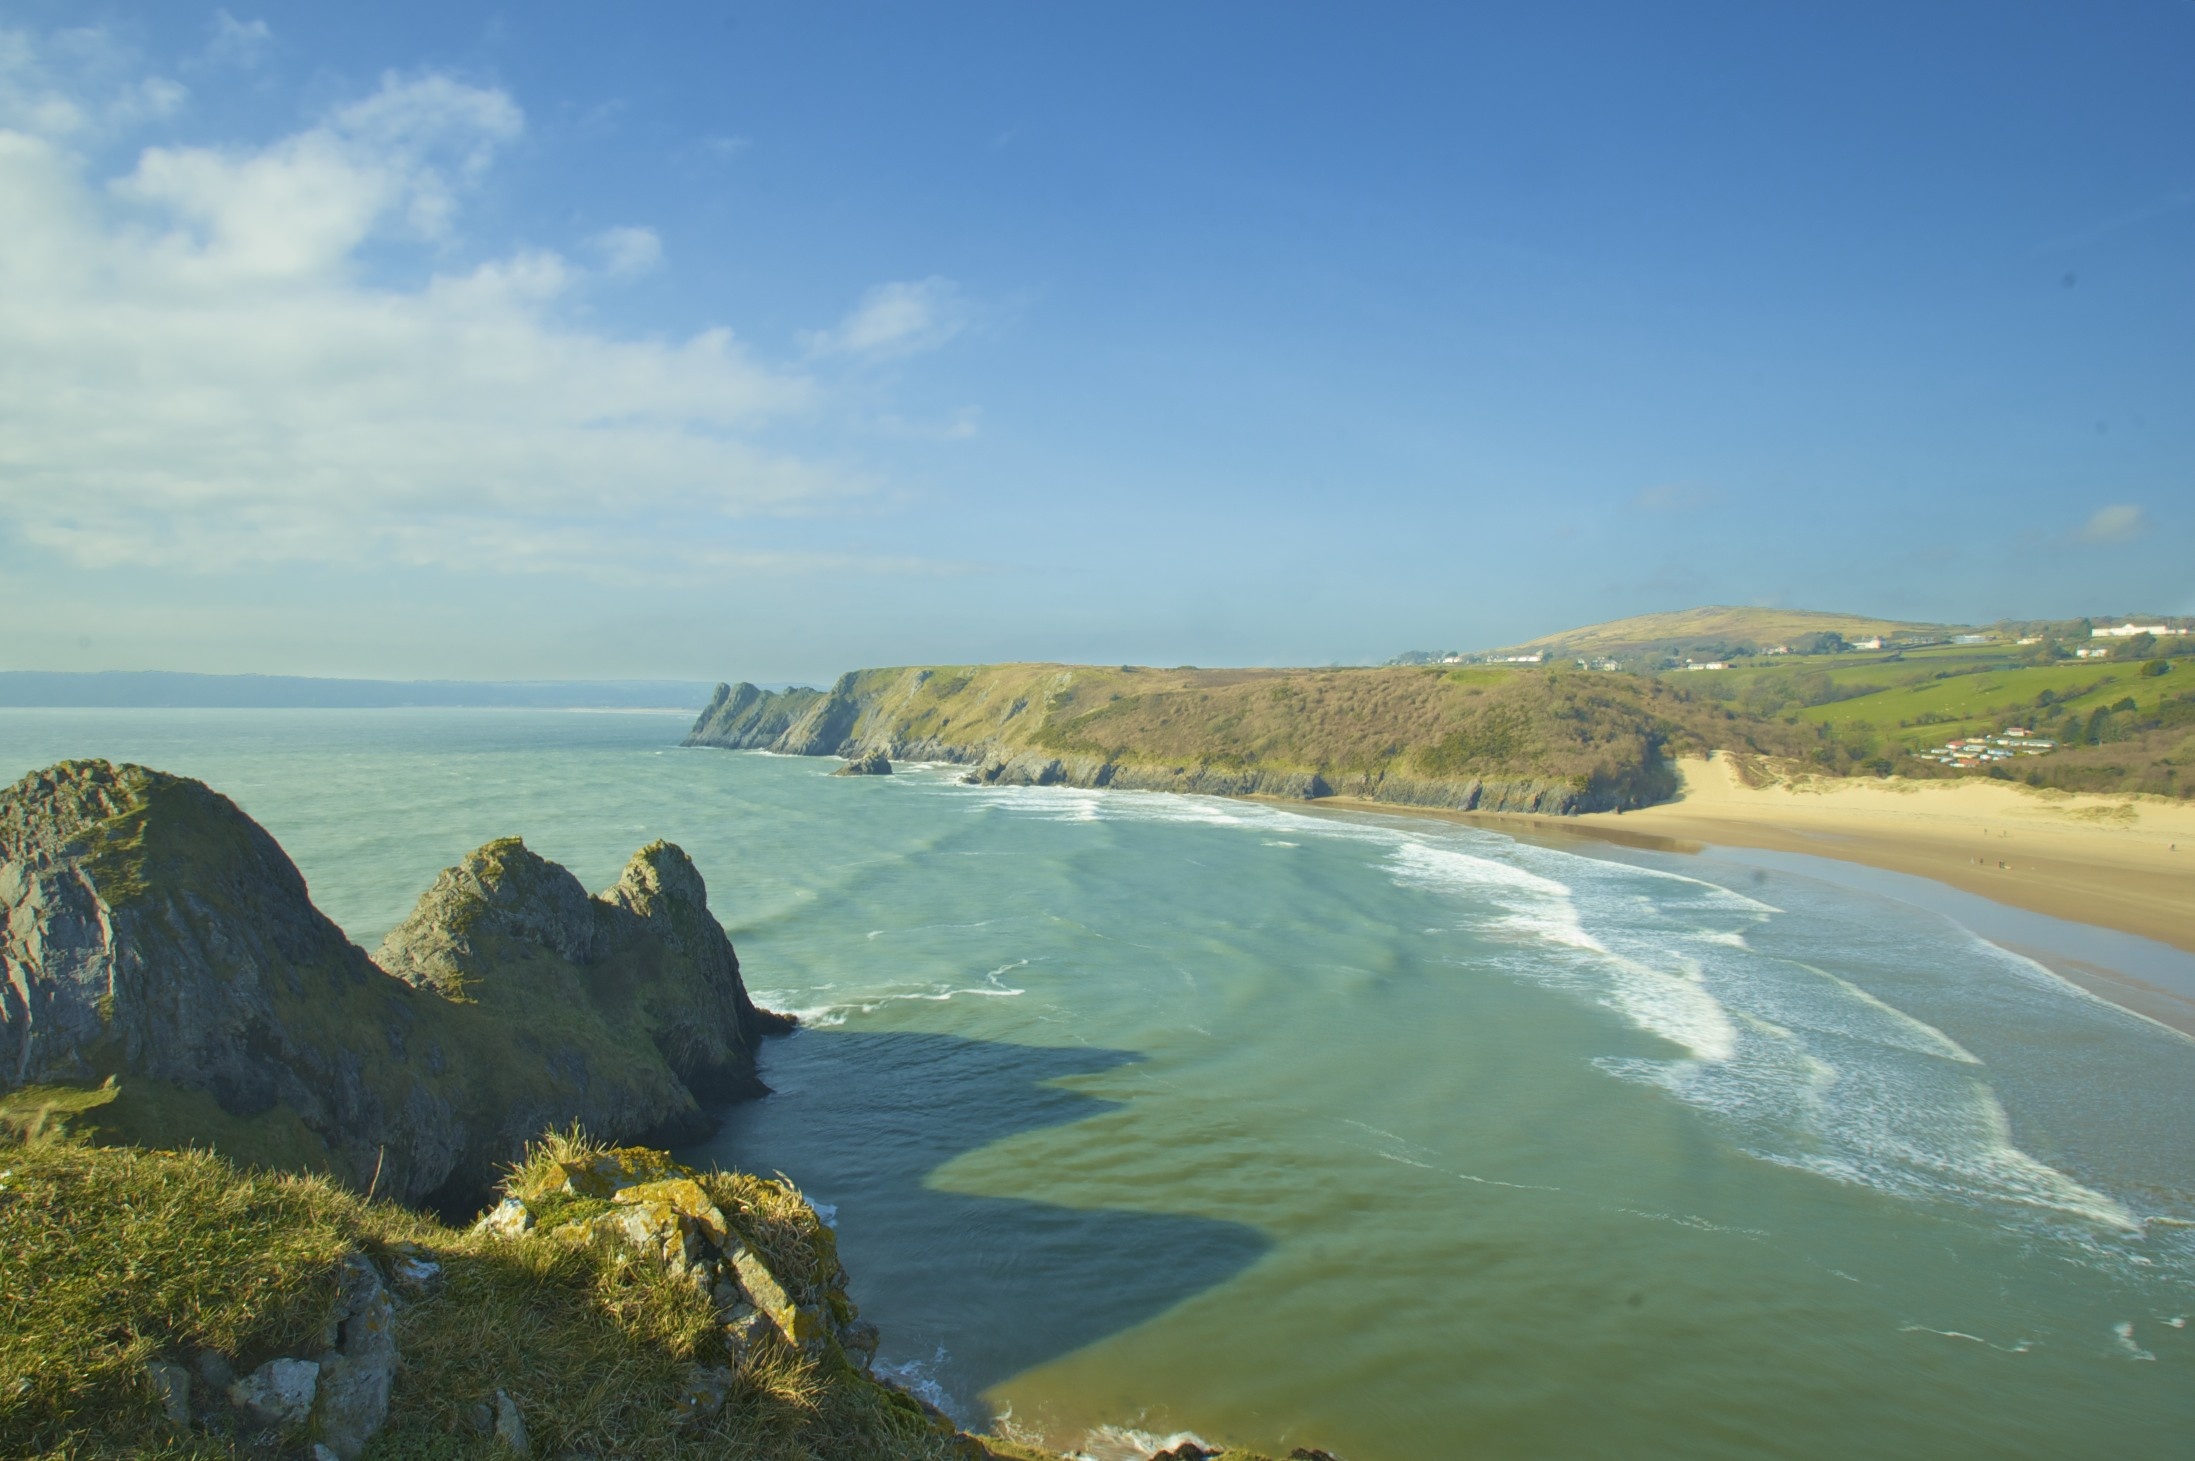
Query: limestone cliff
[745, 718]
[1475, 739]
[156, 939]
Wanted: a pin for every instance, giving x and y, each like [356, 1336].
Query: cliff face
[743, 718]
[1481, 739]
[155, 938]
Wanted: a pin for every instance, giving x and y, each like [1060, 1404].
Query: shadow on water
[967, 1290]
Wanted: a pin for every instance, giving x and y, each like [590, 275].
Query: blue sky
[765, 341]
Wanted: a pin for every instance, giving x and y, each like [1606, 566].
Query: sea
[1143, 1116]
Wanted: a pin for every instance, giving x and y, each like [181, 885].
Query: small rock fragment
[510, 1426]
[172, 1383]
[742, 1334]
[702, 1394]
[279, 1392]
[417, 1272]
[507, 1219]
[354, 1383]
[684, 1196]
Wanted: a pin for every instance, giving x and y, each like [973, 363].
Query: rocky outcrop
[153, 935]
[639, 1203]
[744, 718]
[826, 727]
[875, 763]
[340, 1396]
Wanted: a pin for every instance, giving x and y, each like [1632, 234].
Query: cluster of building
[2017, 740]
[2128, 631]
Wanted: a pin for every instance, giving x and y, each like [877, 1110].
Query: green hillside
[1718, 628]
[1479, 737]
[2121, 724]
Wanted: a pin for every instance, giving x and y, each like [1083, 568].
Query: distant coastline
[172, 690]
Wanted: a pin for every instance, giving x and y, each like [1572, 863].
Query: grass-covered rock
[123, 1270]
[167, 980]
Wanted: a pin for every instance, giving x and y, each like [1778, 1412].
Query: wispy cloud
[238, 42]
[627, 252]
[894, 320]
[196, 374]
[2119, 523]
[79, 85]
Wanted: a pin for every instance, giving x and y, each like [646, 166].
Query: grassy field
[2121, 726]
[1717, 625]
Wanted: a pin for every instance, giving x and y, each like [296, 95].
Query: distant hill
[163, 689]
[1483, 738]
[1720, 626]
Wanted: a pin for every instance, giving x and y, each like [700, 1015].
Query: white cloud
[627, 252]
[238, 42]
[895, 319]
[2119, 523]
[196, 372]
[77, 84]
[300, 207]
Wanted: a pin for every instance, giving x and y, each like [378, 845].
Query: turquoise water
[1145, 1113]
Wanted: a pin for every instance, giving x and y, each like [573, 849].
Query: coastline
[2125, 863]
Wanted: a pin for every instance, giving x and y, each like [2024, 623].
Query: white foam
[919, 1379]
[1497, 1182]
[1670, 1003]
[812, 1014]
[2124, 1330]
[1126, 1443]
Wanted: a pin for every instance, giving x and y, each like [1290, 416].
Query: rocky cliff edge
[165, 979]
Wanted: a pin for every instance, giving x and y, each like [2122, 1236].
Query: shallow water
[1391, 1136]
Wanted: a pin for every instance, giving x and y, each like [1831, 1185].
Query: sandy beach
[2125, 862]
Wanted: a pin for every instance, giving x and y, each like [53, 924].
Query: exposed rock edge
[157, 941]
